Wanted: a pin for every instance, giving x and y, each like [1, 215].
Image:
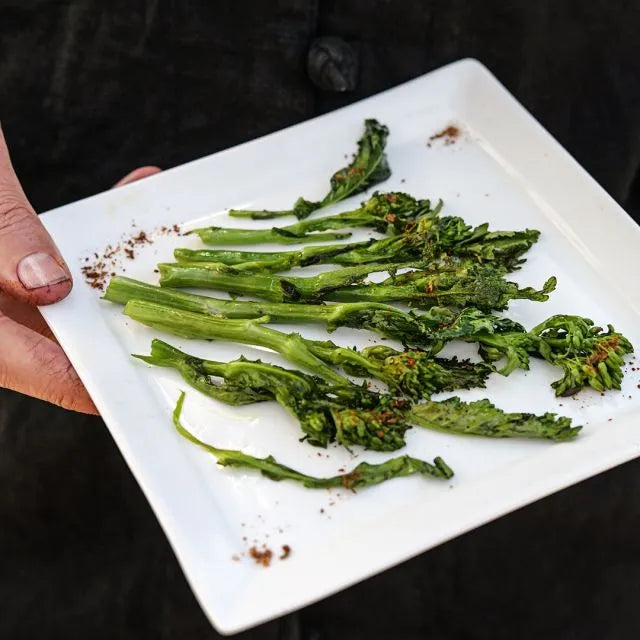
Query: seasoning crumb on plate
[102, 268]
[449, 135]
[261, 556]
[286, 552]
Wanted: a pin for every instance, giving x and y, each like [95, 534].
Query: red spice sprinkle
[141, 238]
[262, 557]
[450, 135]
[286, 552]
[96, 274]
[341, 470]
[349, 480]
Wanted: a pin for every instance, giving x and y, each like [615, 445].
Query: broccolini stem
[349, 359]
[270, 261]
[121, 290]
[270, 287]
[197, 375]
[195, 325]
[226, 236]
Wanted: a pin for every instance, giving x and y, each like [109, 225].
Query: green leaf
[482, 418]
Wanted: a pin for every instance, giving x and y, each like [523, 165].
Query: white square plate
[505, 169]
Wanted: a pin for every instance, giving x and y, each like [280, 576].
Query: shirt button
[332, 64]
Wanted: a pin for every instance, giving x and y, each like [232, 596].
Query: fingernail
[40, 270]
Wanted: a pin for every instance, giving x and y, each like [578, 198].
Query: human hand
[32, 272]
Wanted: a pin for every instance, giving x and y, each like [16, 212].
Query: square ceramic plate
[504, 168]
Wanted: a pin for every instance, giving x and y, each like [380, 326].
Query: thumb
[31, 267]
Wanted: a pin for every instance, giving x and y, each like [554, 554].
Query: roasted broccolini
[452, 285]
[410, 372]
[368, 167]
[363, 475]
[588, 355]
[431, 239]
[570, 342]
[353, 415]
[392, 213]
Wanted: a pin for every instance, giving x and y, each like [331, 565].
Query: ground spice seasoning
[261, 556]
[286, 552]
[100, 268]
[449, 135]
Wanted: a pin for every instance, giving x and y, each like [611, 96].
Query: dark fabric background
[90, 89]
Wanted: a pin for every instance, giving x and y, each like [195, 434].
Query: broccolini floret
[588, 355]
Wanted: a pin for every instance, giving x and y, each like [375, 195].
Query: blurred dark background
[88, 91]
